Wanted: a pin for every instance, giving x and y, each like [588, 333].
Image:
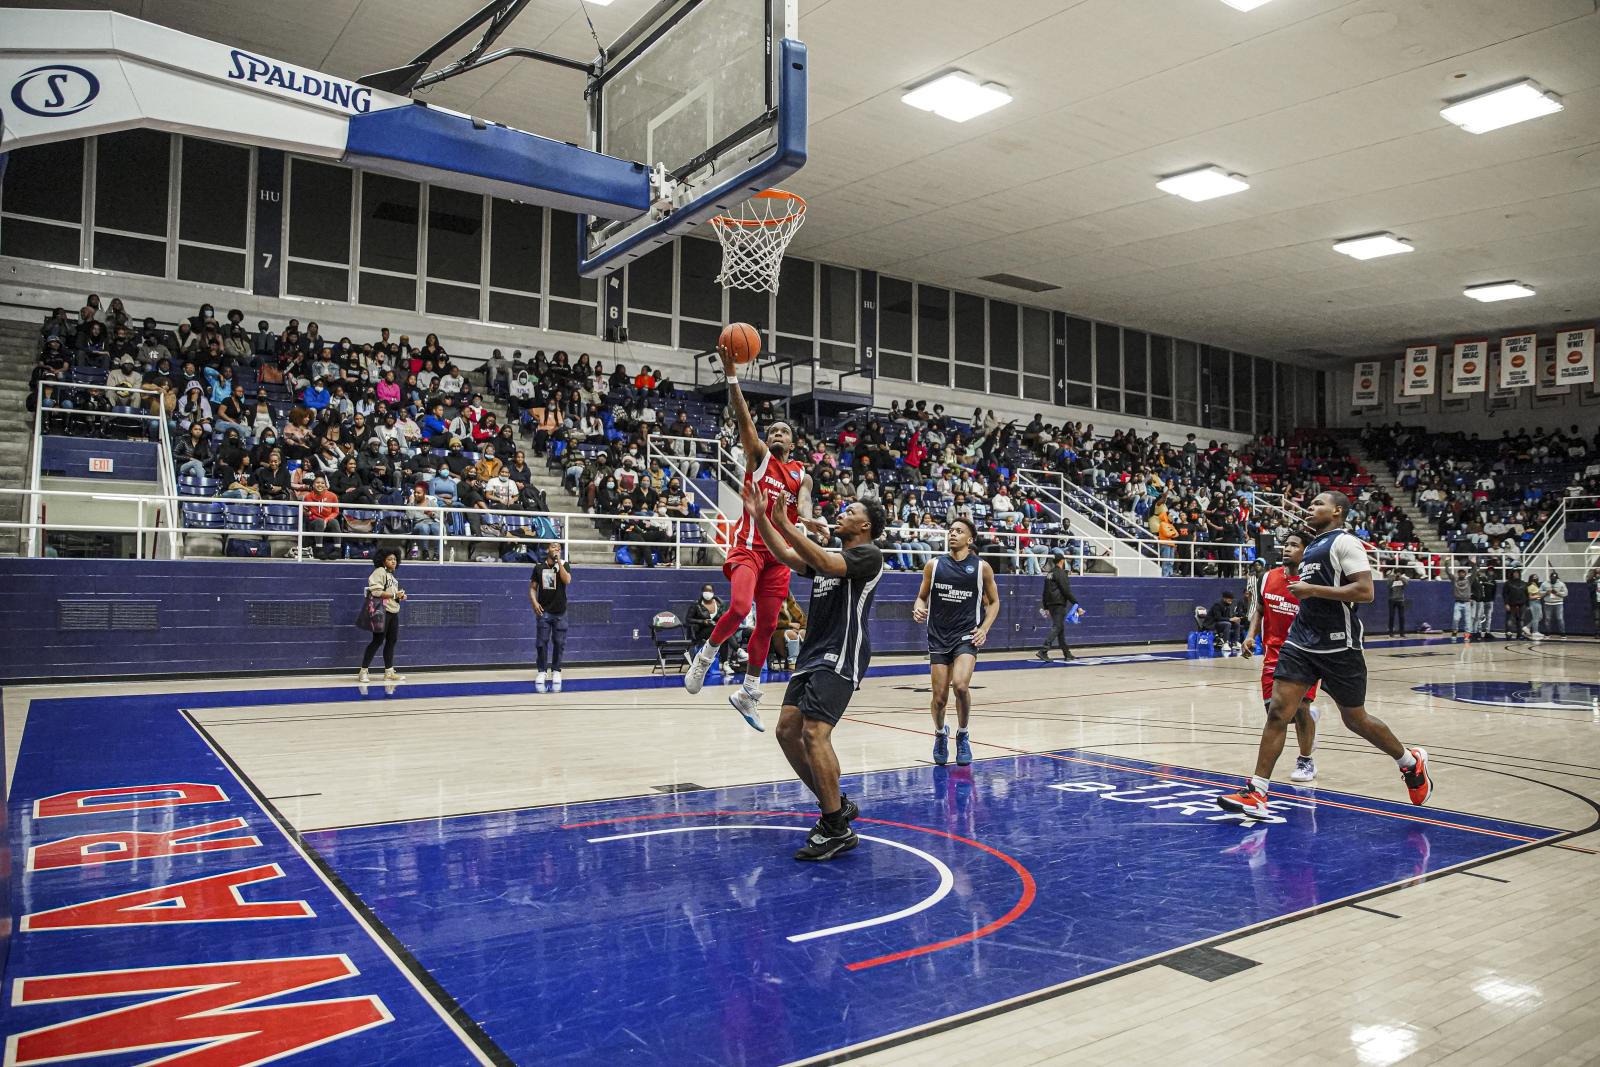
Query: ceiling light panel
[1203, 183]
[1502, 107]
[1372, 246]
[1495, 291]
[957, 96]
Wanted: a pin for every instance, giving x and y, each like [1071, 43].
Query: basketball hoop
[754, 238]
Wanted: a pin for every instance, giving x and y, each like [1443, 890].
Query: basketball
[741, 341]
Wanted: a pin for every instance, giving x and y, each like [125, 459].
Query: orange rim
[766, 194]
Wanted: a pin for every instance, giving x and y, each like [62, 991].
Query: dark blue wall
[87, 617]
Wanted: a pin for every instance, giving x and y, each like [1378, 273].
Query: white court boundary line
[947, 880]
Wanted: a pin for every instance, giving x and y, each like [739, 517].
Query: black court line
[1209, 964]
[1486, 877]
[1373, 911]
[294, 796]
[678, 787]
[466, 1024]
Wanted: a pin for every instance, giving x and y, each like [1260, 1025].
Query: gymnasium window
[214, 212]
[699, 295]
[132, 170]
[455, 253]
[1003, 377]
[572, 296]
[41, 203]
[649, 296]
[1080, 363]
[895, 318]
[933, 336]
[970, 349]
[319, 230]
[1263, 393]
[516, 261]
[1036, 355]
[796, 309]
[390, 210]
[837, 315]
[1186, 382]
[1107, 367]
[1160, 377]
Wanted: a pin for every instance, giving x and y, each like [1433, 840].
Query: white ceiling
[1330, 108]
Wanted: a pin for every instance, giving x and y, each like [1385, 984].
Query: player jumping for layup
[833, 656]
[756, 576]
[964, 605]
[1324, 644]
[1272, 612]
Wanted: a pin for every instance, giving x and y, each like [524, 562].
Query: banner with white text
[1469, 371]
[1575, 357]
[1364, 385]
[1516, 360]
[1421, 364]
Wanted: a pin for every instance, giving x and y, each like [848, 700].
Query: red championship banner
[1421, 364]
[1469, 370]
[1364, 385]
[1575, 357]
[1517, 360]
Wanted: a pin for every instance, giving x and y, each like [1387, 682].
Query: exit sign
[99, 464]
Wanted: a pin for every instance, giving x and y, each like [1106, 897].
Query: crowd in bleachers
[262, 417]
[1489, 496]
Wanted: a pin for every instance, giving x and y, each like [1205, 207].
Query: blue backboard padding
[788, 156]
[428, 144]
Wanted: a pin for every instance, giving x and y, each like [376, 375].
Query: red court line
[1024, 901]
[1404, 816]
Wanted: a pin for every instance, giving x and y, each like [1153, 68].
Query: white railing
[453, 527]
[687, 457]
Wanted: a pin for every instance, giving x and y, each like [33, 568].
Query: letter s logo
[55, 91]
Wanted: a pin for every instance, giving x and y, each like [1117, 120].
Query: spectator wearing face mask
[1555, 606]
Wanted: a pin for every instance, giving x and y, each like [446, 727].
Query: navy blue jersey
[1329, 625]
[955, 604]
[836, 625]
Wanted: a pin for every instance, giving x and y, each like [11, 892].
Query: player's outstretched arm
[755, 503]
[991, 605]
[749, 439]
[919, 611]
[811, 554]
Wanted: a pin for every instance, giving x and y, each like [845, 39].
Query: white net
[754, 238]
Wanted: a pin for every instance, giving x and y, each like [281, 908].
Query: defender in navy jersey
[959, 602]
[833, 656]
[1324, 645]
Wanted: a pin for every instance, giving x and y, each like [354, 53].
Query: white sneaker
[747, 703]
[1305, 769]
[361, 677]
[1536, 636]
[392, 675]
[695, 676]
[538, 682]
[555, 681]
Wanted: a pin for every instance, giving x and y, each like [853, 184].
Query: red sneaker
[1418, 782]
[1246, 802]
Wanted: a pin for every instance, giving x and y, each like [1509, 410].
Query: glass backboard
[709, 94]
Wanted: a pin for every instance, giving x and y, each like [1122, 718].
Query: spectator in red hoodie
[322, 517]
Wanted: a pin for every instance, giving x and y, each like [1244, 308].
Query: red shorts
[1269, 664]
[772, 577]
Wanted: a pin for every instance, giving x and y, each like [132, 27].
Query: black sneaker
[1068, 656]
[847, 808]
[823, 843]
[1042, 656]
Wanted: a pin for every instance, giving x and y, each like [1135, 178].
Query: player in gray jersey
[959, 602]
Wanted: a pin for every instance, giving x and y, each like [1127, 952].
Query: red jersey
[778, 480]
[1278, 607]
